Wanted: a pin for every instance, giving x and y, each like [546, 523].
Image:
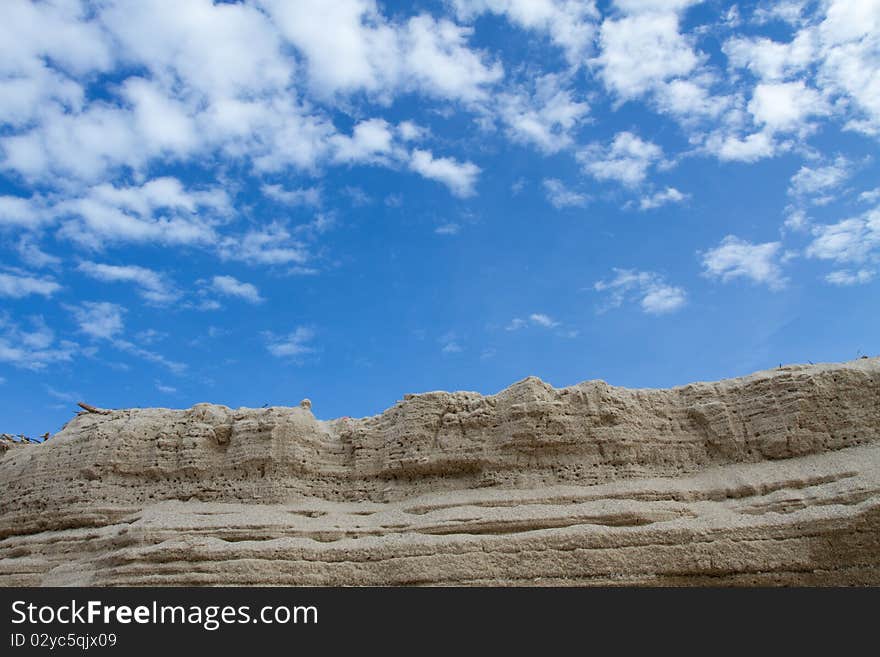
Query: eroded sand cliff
[772, 478]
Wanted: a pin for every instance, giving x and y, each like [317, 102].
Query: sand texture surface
[769, 479]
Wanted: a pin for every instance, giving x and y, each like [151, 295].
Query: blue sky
[252, 203]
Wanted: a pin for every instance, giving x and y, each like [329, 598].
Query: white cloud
[835, 49]
[818, 181]
[561, 197]
[459, 177]
[349, 46]
[640, 52]
[232, 287]
[294, 345]
[33, 349]
[153, 286]
[796, 219]
[411, 131]
[626, 160]
[17, 285]
[303, 196]
[449, 343]
[31, 253]
[99, 319]
[543, 320]
[169, 390]
[448, 229]
[371, 141]
[784, 106]
[845, 277]
[851, 240]
[770, 60]
[535, 319]
[160, 211]
[150, 356]
[272, 245]
[570, 24]
[650, 290]
[736, 258]
[160, 120]
[751, 148]
[870, 196]
[19, 212]
[663, 197]
[544, 116]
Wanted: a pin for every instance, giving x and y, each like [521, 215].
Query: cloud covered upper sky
[253, 202]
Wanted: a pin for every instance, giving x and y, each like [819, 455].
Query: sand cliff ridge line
[773, 478]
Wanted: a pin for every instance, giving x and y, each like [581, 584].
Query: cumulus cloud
[369, 52]
[232, 287]
[643, 50]
[459, 177]
[20, 212]
[570, 24]
[561, 196]
[854, 240]
[152, 286]
[272, 245]
[648, 289]
[844, 277]
[626, 160]
[543, 320]
[735, 258]
[448, 229]
[785, 106]
[662, 197]
[99, 319]
[294, 345]
[16, 285]
[544, 115]
[160, 211]
[748, 148]
[816, 182]
[450, 344]
[32, 347]
[371, 142]
[31, 254]
[535, 319]
[301, 196]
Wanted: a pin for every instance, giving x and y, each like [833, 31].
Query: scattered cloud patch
[626, 160]
[844, 277]
[450, 344]
[561, 196]
[292, 197]
[735, 258]
[152, 286]
[34, 346]
[230, 286]
[854, 240]
[543, 320]
[294, 345]
[647, 289]
[101, 320]
[662, 197]
[448, 229]
[17, 285]
[459, 177]
[815, 183]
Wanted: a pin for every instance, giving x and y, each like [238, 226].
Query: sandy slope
[768, 479]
